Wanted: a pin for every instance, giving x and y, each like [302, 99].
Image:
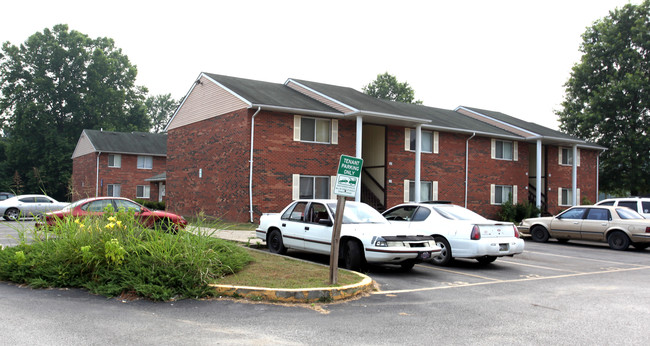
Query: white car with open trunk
[366, 236]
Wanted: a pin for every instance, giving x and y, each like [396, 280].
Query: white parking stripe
[614, 270]
[455, 272]
[585, 259]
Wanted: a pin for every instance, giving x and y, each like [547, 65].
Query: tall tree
[387, 87]
[160, 109]
[607, 97]
[53, 86]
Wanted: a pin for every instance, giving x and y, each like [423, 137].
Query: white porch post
[574, 176]
[357, 198]
[538, 176]
[418, 153]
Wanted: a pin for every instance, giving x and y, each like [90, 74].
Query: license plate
[424, 255]
[504, 247]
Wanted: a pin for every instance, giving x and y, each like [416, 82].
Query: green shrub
[516, 212]
[112, 254]
[155, 205]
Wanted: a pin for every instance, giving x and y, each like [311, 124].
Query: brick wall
[559, 176]
[128, 176]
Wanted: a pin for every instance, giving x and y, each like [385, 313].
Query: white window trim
[295, 184]
[146, 189]
[570, 194]
[515, 150]
[334, 130]
[436, 141]
[137, 163]
[115, 156]
[434, 190]
[560, 156]
[493, 194]
[119, 190]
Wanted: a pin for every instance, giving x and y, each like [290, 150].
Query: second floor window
[114, 160]
[145, 162]
[504, 150]
[315, 130]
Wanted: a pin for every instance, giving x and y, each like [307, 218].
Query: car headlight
[381, 242]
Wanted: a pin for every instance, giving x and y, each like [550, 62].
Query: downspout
[467, 164]
[99, 153]
[250, 175]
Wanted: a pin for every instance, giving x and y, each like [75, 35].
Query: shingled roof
[135, 143]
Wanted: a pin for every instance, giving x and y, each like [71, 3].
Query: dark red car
[96, 206]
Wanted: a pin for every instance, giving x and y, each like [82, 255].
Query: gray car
[21, 206]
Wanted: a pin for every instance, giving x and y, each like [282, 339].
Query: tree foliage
[387, 87]
[53, 86]
[607, 97]
[160, 109]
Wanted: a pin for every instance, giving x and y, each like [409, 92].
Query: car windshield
[358, 213]
[626, 213]
[73, 205]
[454, 212]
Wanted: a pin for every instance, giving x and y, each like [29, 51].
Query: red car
[96, 206]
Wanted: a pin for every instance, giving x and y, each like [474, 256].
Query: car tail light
[647, 229]
[516, 231]
[476, 233]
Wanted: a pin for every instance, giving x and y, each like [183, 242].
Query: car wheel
[562, 240]
[407, 265]
[444, 256]
[640, 246]
[275, 243]
[12, 214]
[539, 234]
[486, 259]
[353, 256]
[618, 240]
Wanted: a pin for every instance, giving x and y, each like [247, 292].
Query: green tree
[160, 109]
[386, 87]
[53, 86]
[607, 97]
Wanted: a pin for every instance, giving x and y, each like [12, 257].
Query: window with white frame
[429, 141]
[113, 190]
[114, 160]
[566, 156]
[504, 150]
[145, 162]
[565, 196]
[142, 191]
[428, 191]
[500, 194]
[312, 187]
[315, 130]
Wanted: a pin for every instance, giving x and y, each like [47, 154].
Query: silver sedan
[21, 206]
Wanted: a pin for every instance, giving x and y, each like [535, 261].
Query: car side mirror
[325, 222]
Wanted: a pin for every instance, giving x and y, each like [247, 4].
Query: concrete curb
[298, 295]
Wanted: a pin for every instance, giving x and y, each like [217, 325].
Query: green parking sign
[348, 176]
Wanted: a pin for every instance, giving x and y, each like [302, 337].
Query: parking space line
[586, 259]
[614, 270]
[540, 267]
[455, 272]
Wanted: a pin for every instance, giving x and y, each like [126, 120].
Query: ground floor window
[142, 191]
[428, 191]
[565, 197]
[314, 187]
[113, 190]
[500, 194]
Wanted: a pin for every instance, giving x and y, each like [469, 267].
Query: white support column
[357, 198]
[538, 175]
[574, 176]
[418, 154]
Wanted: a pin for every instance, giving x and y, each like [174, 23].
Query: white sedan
[366, 237]
[460, 232]
[17, 207]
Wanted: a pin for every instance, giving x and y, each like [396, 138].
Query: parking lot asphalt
[564, 294]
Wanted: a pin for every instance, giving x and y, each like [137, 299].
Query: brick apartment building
[237, 148]
[131, 165]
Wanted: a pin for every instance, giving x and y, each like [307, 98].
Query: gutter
[99, 153]
[250, 175]
[467, 165]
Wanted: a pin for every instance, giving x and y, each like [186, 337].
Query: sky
[507, 56]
